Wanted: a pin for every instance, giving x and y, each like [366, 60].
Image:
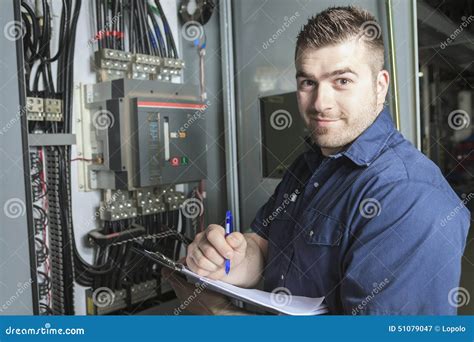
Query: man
[364, 227]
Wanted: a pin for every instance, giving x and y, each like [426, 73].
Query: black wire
[35, 31]
[62, 31]
[99, 33]
[169, 35]
[131, 29]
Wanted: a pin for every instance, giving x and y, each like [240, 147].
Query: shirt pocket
[321, 229]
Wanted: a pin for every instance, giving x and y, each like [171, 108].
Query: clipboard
[280, 303]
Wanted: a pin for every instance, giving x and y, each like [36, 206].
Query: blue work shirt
[375, 229]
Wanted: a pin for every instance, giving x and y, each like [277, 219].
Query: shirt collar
[368, 146]
[364, 149]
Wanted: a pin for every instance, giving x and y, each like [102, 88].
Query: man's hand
[207, 253]
[198, 300]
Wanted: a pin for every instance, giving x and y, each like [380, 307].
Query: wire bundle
[144, 23]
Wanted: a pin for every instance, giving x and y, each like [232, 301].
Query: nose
[323, 99]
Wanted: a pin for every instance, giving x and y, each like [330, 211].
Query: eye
[342, 82]
[307, 83]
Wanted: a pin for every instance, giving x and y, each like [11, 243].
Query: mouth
[324, 122]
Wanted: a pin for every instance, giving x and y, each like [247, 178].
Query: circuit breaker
[138, 140]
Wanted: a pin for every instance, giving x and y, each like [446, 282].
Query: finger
[217, 275]
[216, 236]
[195, 268]
[202, 262]
[211, 253]
[198, 236]
[237, 241]
[192, 246]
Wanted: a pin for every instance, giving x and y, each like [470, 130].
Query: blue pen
[228, 230]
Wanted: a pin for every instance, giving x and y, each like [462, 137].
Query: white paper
[279, 302]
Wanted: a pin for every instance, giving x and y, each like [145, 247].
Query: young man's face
[338, 94]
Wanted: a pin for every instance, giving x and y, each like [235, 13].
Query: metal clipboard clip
[160, 258]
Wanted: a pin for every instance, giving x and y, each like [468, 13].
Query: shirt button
[311, 233]
[282, 277]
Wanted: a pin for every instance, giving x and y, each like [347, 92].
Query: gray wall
[15, 277]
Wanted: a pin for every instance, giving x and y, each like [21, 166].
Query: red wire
[82, 159]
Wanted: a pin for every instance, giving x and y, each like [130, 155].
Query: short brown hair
[335, 25]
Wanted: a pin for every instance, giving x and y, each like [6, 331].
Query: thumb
[237, 241]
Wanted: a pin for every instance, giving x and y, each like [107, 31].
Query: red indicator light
[174, 161]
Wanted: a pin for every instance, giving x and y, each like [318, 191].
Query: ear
[381, 86]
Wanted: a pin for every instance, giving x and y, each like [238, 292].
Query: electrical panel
[137, 137]
[138, 140]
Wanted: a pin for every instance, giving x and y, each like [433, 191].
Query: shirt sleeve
[407, 241]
